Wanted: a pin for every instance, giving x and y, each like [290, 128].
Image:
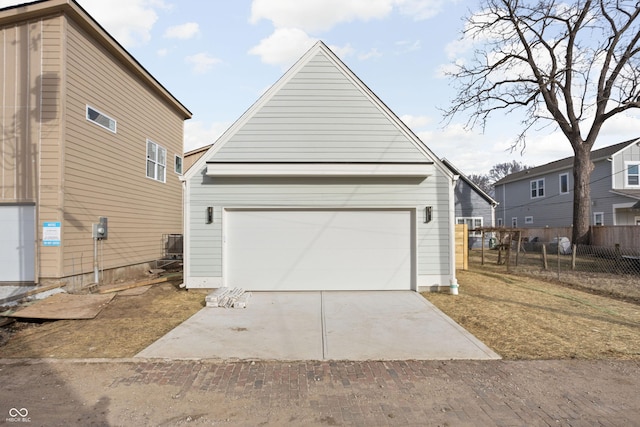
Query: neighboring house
[86, 132]
[474, 207]
[543, 196]
[319, 186]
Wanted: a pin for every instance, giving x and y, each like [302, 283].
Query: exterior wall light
[428, 214]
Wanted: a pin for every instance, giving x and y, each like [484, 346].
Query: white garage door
[17, 237]
[319, 249]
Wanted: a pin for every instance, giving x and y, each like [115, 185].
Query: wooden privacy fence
[462, 247]
[625, 236]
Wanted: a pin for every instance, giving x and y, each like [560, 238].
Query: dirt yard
[518, 317]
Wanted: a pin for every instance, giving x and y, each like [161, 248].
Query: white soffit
[418, 170]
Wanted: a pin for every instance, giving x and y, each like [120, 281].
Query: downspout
[453, 282]
[185, 234]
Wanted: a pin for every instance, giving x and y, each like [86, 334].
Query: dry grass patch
[525, 318]
[122, 329]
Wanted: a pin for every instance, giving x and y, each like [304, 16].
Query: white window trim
[155, 162]
[175, 164]
[595, 216]
[472, 220]
[537, 181]
[637, 220]
[499, 222]
[626, 174]
[514, 222]
[560, 183]
[115, 122]
[528, 220]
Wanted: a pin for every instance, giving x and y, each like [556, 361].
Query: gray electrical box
[101, 229]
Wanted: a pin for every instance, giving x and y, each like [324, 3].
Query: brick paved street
[454, 393]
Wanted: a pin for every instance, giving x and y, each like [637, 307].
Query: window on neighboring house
[156, 161]
[598, 218]
[472, 223]
[632, 174]
[537, 188]
[178, 165]
[101, 119]
[564, 183]
[500, 223]
[514, 222]
[528, 220]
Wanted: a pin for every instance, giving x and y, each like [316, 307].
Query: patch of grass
[526, 318]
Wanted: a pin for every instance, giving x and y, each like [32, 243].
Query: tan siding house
[87, 132]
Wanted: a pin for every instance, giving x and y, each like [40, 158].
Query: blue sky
[218, 56]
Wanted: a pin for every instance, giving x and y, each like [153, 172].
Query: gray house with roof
[543, 196]
[319, 186]
[473, 206]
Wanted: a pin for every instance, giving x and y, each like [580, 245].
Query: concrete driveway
[366, 325]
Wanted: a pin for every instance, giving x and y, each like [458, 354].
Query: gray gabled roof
[473, 185]
[566, 163]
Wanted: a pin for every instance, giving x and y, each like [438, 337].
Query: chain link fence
[613, 270]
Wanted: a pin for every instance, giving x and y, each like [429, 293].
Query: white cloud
[182, 32]
[373, 53]
[283, 47]
[317, 15]
[202, 62]
[162, 52]
[128, 21]
[198, 134]
[420, 9]
[416, 122]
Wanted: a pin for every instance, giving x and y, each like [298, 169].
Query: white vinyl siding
[320, 115]
[156, 161]
[206, 239]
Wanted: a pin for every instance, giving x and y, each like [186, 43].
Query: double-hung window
[537, 188]
[472, 223]
[156, 161]
[632, 174]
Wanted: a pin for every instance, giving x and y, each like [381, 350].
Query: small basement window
[101, 119]
[528, 220]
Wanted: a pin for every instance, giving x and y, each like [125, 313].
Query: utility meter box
[101, 229]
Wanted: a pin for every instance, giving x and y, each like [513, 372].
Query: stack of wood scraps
[228, 298]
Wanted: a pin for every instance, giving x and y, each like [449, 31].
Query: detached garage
[319, 186]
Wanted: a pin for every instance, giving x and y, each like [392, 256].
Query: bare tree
[483, 182]
[500, 170]
[573, 64]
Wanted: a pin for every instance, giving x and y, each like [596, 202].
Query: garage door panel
[17, 236]
[319, 250]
